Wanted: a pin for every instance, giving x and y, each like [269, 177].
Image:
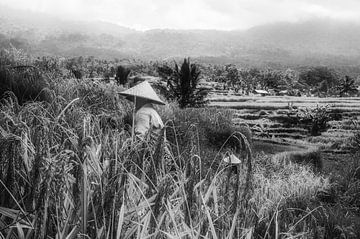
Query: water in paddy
[273, 148]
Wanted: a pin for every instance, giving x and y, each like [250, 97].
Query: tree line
[319, 80]
[182, 83]
[311, 81]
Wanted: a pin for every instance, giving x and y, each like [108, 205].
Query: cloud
[185, 14]
[254, 12]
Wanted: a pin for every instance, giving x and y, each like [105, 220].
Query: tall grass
[69, 169]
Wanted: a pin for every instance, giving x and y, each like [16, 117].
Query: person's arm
[155, 120]
[142, 124]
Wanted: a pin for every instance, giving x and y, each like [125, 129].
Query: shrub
[122, 74]
[183, 85]
[316, 119]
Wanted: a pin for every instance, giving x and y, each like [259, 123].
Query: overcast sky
[194, 14]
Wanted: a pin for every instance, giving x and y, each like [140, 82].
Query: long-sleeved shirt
[147, 118]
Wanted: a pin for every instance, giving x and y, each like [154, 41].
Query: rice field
[276, 132]
[270, 116]
[284, 102]
[71, 168]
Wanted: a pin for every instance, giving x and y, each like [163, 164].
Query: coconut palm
[347, 86]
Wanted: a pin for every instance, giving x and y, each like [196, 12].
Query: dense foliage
[182, 84]
[321, 80]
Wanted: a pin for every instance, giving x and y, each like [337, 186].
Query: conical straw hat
[145, 91]
[232, 159]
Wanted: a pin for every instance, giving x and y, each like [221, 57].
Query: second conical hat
[232, 159]
[145, 91]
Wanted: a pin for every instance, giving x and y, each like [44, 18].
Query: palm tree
[347, 86]
[182, 84]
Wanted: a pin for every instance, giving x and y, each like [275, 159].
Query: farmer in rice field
[145, 116]
[148, 128]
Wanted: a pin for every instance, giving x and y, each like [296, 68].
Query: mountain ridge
[317, 41]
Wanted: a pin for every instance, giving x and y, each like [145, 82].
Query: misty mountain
[20, 21]
[317, 36]
[307, 43]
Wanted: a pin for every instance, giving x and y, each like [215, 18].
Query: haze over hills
[326, 42]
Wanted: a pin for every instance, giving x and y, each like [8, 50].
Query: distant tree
[112, 71]
[357, 81]
[122, 74]
[319, 80]
[271, 79]
[218, 74]
[290, 82]
[182, 84]
[51, 66]
[108, 72]
[250, 78]
[232, 77]
[90, 66]
[75, 66]
[347, 86]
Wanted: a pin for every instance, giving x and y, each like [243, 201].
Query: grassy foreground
[70, 169]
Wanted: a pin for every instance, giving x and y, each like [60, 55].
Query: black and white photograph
[179, 119]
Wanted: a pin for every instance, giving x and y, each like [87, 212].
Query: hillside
[307, 43]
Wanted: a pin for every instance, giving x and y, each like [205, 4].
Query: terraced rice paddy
[272, 119]
[283, 102]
